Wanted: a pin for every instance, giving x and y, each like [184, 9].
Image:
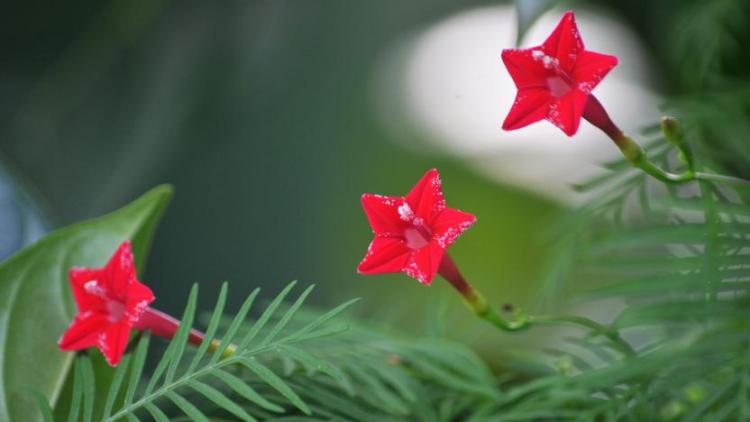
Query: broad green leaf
[47, 415]
[36, 305]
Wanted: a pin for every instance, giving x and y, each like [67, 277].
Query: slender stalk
[476, 302]
[474, 299]
[595, 113]
[655, 171]
[594, 326]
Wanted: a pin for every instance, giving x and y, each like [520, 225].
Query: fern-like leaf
[182, 374]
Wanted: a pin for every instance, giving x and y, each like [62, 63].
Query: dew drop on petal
[405, 212]
[548, 61]
[92, 287]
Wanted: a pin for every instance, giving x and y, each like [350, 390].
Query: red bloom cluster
[412, 232]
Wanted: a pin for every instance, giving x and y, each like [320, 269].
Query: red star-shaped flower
[412, 232]
[554, 79]
[110, 301]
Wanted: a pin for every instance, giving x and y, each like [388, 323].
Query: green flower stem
[476, 302]
[595, 113]
[592, 325]
[721, 179]
[633, 153]
[636, 156]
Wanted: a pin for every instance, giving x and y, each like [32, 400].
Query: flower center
[417, 236]
[558, 86]
[115, 310]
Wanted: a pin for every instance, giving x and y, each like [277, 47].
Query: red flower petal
[450, 224]
[88, 292]
[113, 341]
[591, 68]
[385, 255]
[525, 70]
[382, 213]
[566, 111]
[424, 263]
[120, 272]
[531, 105]
[426, 197]
[83, 332]
[565, 42]
[139, 297]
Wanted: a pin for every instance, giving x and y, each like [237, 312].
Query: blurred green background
[261, 114]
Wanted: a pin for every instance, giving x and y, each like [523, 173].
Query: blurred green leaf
[35, 303]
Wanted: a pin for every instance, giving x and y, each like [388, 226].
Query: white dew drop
[405, 212]
[549, 62]
[92, 287]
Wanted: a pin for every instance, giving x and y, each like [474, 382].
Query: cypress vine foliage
[289, 363]
[671, 262]
[179, 375]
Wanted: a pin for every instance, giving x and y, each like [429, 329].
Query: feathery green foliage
[672, 265]
[181, 375]
[671, 262]
[292, 364]
[368, 373]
